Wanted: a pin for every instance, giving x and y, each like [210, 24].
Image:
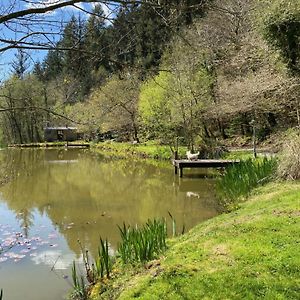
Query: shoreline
[247, 253]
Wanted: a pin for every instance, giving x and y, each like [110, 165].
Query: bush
[289, 162]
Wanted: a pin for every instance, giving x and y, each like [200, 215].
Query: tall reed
[79, 287]
[94, 270]
[144, 243]
[103, 263]
[240, 179]
[1, 294]
[137, 245]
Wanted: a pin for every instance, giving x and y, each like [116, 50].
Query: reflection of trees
[96, 194]
[19, 162]
[26, 219]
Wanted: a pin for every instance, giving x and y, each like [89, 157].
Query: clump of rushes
[80, 291]
[240, 179]
[103, 263]
[94, 271]
[138, 245]
[142, 244]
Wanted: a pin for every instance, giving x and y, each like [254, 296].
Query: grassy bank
[252, 253]
[144, 150]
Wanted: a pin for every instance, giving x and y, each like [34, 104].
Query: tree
[36, 14]
[155, 109]
[20, 65]
[172, 103]
[118, 105]
[22, 125]
[281, 25]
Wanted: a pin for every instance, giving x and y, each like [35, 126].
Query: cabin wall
[50, 135]
[55, 135]
[70, 135]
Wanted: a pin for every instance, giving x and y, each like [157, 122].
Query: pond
[59, 200]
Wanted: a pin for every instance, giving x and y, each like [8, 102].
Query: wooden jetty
[201, 163]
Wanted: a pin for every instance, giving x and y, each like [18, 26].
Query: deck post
[175, 158]
[180, 172]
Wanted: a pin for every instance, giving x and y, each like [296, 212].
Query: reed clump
[138, 245]
[95, 270]
[79, 288]
[239, 180]
[142, 244]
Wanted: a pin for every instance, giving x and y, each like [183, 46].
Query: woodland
[201, 71]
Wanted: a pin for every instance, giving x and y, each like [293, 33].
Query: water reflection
[78, 195]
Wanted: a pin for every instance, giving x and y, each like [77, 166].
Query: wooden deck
[201, 163]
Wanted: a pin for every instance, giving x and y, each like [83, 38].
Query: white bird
[192, 194]
[191, 156]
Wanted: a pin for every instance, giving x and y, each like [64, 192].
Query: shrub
[289, 161]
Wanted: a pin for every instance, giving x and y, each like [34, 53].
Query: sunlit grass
[145, 150]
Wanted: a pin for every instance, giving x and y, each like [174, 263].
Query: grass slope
[252, 253]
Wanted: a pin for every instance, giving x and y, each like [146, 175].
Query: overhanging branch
[8, 109]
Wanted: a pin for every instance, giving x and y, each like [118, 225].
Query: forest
[201, 71]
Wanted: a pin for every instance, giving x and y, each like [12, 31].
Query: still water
[58, 199]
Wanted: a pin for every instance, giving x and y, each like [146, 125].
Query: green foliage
[289, 158]
[24, 121]
[281, 19]
[103, 263]
[155, 108]
[142, 244]
[239, 180]
[171, 104]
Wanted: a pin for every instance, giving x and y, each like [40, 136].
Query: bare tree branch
[32, 108]
[37, 10]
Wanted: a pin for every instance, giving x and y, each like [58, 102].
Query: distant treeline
[198, 70]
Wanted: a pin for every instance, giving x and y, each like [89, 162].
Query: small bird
[192, 156]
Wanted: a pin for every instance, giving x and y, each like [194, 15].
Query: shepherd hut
[60, 134]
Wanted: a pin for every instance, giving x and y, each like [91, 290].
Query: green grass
[251, 253]
[242, 155]
[145, 150]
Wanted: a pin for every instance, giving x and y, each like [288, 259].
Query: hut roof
[60, 128]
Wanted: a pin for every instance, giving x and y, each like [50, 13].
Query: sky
[58, 17]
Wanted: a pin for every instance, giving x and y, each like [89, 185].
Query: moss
[251, 253]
